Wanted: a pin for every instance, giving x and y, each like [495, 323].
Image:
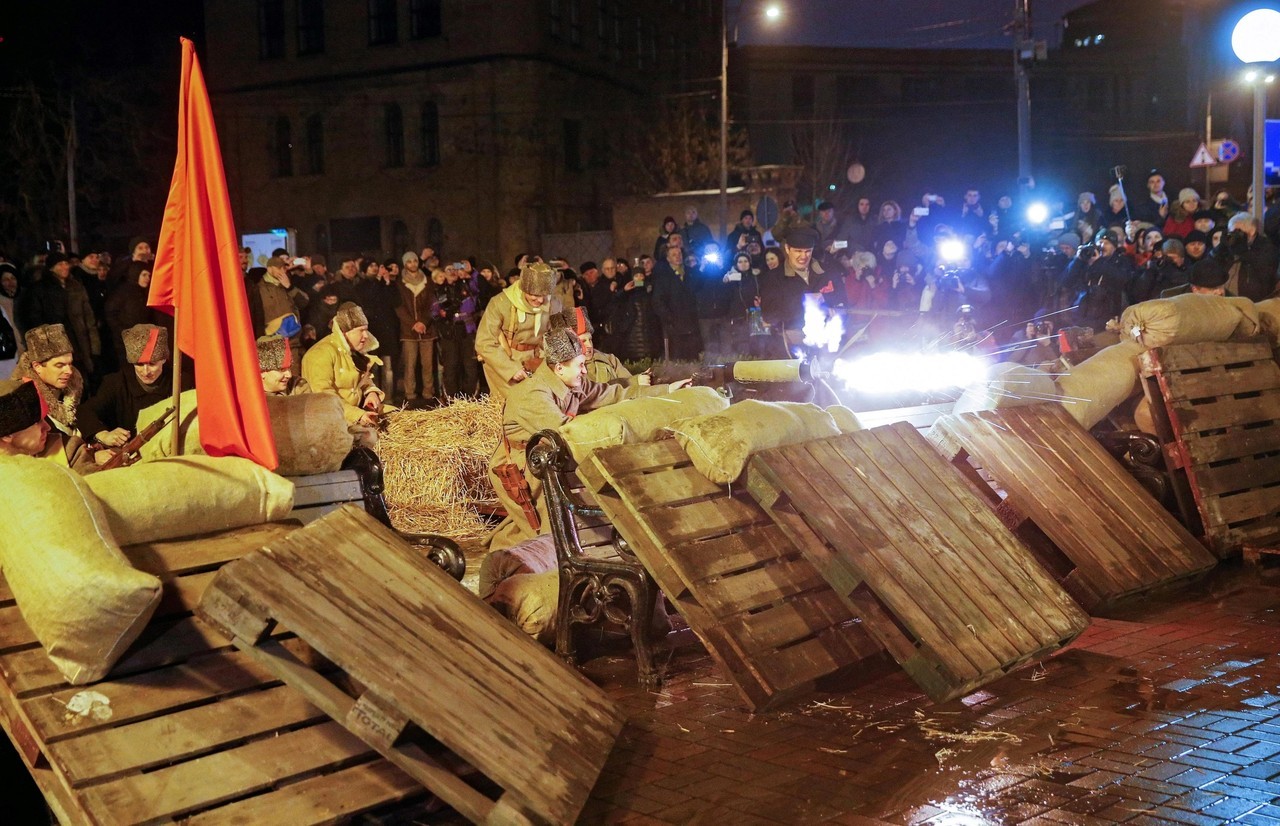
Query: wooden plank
[1220, 381]
[518, 714]
[179, 556]
[1247, 474]
[1239, 507]
[222, 776]
[1181, 357]
[677, 485]
[704, 519]
[648, 457]
[1228, 412]
[337, 477]
[327, 494]
[723, 555]
[1238, 444]
[760, 587]
[329, 798]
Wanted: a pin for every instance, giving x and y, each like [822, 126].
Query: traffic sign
[1202, 158]
[1228, 150]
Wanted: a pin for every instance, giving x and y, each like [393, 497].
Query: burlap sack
[721, 444]
[311, 434]
[846, 420]
[189, 495]
[638, 420]
[529, 600]
[1269, 319]
[74, 587]
[1008, 384]
[1099, 384]
[1188, 319]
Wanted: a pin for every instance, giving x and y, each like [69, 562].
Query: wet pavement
[1166, 710]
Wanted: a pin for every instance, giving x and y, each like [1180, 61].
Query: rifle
[121, 457]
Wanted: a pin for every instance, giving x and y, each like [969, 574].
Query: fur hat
[145, 344]
[1209, 274]
[350, 316]
[537, 279]
[46, 341]
[574, 318]
[801, 237]
[274, 353]
[20, 406]
[561, 345]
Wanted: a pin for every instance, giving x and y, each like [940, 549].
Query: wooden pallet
[1217, 411]
[1098, 527]
[770, 621]
[193, 728]
[434, 667]
[322, 493]
[935, 576]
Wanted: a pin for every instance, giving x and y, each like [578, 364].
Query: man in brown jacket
[417, 333]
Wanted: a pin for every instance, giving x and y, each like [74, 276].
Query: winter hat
[274, 353]
[55, 258]
[134, 242]
[21, 406]
[46, 341]
[350, 316]
[145, 344]
[278, 261]
[319, 259]
[745, 213]
[1196, 236]
[574, 318]
[1069, 239]
[587, 265]
[537, 279]
[1109, 234]
[559, 346]
[1209, 274]
[1086, 196]
[1188, 194]
[1174, 246]
[408, 256]
[802, 237]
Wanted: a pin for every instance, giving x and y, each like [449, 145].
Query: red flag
[197, 278]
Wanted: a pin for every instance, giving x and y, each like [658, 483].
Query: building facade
[475, 126]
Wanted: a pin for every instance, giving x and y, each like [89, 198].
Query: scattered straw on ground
[436, 465]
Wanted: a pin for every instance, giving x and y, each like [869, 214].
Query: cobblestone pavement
[1167, 710]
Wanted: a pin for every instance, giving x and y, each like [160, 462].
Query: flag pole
[175, 438]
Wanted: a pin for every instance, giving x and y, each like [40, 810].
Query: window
[430, 134]
[802, 94]
[425, 19]
[283, 148]
[573, 145]
[270, 29]
[382, 22]
[393, 126]
[310, 27]
[400, 240]
[435, 234]
[856, 90]
[315, 145]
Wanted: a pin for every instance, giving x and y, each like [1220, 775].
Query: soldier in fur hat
[557, 391]
[508, 339]
[111, 416]
[342, 363]
[600, 366]
[276, 361]
[48, 364]
[24, 426]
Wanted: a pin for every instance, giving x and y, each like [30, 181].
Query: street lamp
[1256, 39]
[772, 13]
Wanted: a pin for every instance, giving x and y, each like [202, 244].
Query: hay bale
[1189, 319]
[638, 420]
[721, 444]
[1008, 384]
[1101, 383]
[436, 467]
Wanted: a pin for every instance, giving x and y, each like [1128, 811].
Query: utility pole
[72, 241]
[1024, 51]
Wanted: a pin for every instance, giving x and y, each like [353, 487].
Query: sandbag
[1099, 384]
[1188, 319]
[1269, 319]
[846, 420]
[533, 556]
[73, 586]
[310, 432]
[1008, 384]
[529, 600]
[638, 420]
[721, 444]
[189, 495]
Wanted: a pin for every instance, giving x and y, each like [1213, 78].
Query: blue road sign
[1271, 157]
[1228, 151]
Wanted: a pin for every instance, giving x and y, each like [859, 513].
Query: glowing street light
[773, 12]
[1256, 39]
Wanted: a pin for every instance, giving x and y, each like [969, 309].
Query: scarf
[62, 404]
[516, 296]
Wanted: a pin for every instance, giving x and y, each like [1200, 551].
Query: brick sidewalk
[1166, 711]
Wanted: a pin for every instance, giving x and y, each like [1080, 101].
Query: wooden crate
[1217, 411]
[433, 668]
[1104, 532]
[192, 729]
[904, 539]
[322, 493]
[763, 611]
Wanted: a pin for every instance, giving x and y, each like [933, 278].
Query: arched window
[435, 234]
[430, 134]
[393, 123]
[315, 145]
[284, 148]
[400, 240]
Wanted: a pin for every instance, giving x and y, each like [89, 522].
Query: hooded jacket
[330, 367]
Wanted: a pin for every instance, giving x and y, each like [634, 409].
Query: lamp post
[1256, 40]
[771, 12]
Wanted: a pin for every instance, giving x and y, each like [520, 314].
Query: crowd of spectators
[998, 273]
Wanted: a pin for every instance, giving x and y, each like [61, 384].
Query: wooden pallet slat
[409, 636]
[1119, 540]
[917, 554]
[743, 587]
